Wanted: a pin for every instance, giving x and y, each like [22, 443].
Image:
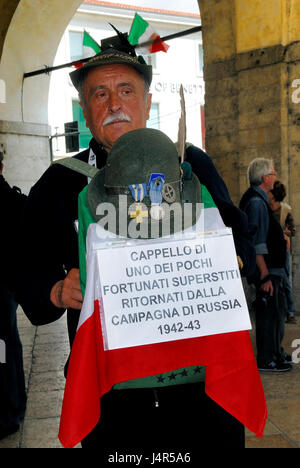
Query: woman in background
[283, 213]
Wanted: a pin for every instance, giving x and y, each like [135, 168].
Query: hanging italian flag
[90, 46]
[141, 32]
[231, 376]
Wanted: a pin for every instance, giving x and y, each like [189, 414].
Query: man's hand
[267, 287]
[66, 294]
[288, 242]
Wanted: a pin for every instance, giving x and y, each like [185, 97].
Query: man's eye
[100, 94]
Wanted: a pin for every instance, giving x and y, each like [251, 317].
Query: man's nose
[114, 103]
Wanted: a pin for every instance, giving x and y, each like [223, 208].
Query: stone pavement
[46, 350]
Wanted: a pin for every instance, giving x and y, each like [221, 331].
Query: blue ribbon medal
[137, 211]
[156, 183]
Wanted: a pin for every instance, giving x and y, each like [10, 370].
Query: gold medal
[138, 213]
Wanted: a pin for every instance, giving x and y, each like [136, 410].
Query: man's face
[115, 102]
[270, 179]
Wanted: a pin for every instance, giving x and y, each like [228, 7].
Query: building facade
[182, 64]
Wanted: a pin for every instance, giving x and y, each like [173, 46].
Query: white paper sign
[169, 291]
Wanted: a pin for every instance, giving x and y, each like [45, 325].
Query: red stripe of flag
[231, 376]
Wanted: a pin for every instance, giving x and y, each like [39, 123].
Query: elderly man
[271, 249]
[114, 94]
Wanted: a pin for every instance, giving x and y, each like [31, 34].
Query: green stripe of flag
[88, 41]
[138, 27]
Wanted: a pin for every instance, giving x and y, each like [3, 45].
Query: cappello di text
[168, 252]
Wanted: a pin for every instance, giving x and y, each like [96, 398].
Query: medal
[156, 184]
[157, 212]
[168, 193]
[137, 211]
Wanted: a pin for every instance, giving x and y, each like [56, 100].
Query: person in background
[12, 380]
[270, 245]
[283, 213]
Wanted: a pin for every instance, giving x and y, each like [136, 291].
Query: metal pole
[171, 36]
[58, 67]
[155, 41]
[57, 135]
[51, 150]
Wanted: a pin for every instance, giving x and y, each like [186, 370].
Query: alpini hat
[114, 50]
[144, 182]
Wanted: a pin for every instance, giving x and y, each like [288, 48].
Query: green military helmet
[143, 181]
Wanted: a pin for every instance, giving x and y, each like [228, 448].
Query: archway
[31, 32]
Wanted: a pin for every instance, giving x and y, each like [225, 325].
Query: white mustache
[117, 117]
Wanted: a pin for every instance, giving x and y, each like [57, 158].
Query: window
[76, 45]
[85, 135]
[153, 121]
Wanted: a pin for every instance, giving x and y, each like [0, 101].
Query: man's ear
[263, 179]
[149, 102]
[85, 115]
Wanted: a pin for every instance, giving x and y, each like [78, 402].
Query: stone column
[26, 152]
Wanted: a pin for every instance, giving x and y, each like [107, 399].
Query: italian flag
[141, 32]
[90, 48]
[231, 376]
